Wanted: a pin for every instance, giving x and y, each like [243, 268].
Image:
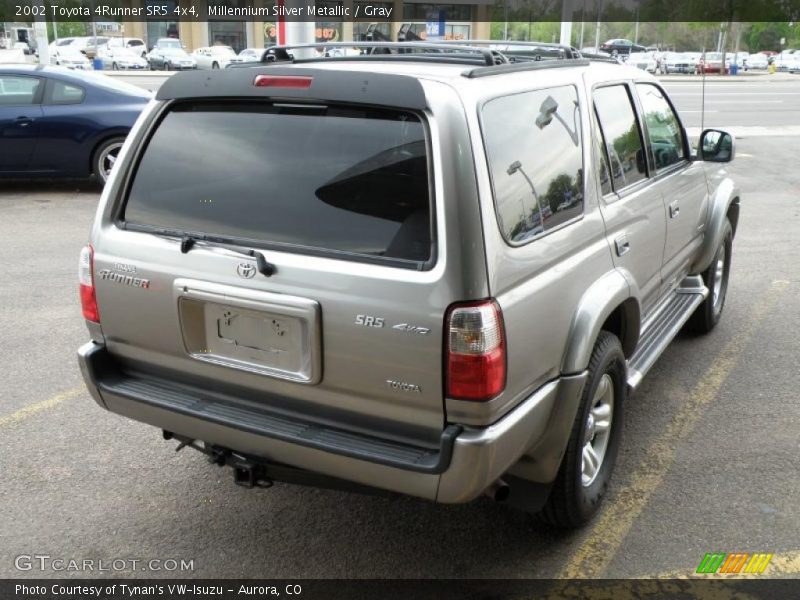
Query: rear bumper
[466, 462]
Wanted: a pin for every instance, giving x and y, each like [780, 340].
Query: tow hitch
[246, 472]
[254, 472]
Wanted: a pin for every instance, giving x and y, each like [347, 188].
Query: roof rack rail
[432, 52]
[533, 65]
[511, 48]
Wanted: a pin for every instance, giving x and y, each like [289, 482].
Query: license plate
[266, 333]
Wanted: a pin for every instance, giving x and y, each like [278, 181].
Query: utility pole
[566, 23]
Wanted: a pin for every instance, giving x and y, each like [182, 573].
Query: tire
[104, 156]
[716, 278]
[215, 65]
[577, 493]
[114, 67]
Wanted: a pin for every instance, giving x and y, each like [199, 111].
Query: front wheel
[708, 314]
[215, 65]
[114, 67]
[105, 156]
[587, 465]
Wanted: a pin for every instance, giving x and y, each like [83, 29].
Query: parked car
[88, 45]
[170, 59]
[621, 46]
[12, 56]
[757, 61]
[55, 122]
[214, 57]
[646, 61]
[168, 42]
[70, 57]
[712, 63]
[786, 60]
[23, 46]
[678, 62]
[251, 54]
[136, 45]
[121, 58]
[359, 305]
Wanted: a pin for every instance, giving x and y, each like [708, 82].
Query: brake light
[86, 280]
[283, 81]
[476, 351]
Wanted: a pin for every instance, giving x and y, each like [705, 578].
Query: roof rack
[530, 50]
[533, 65]
[423, 51]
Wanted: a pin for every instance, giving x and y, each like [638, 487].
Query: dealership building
[457, 19]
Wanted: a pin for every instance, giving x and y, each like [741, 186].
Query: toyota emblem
[246, 270]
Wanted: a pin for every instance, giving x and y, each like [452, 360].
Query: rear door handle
[674, 209]
[24, 121]
[622, 244]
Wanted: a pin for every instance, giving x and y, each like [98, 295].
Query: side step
[664, 325]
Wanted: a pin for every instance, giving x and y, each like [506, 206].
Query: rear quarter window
[353, 182]
[533, 146]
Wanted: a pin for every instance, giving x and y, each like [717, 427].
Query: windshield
[223, 50]
[291, 178]
[169, 44]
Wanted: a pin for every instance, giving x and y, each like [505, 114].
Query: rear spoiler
[328, 85]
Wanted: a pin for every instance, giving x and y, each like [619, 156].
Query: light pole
[516, 167]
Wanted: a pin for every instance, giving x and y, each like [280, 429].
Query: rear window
[347, 181]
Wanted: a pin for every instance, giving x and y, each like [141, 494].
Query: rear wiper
[266, 268]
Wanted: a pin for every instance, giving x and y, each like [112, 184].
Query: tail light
[86, 279]
[476, 351]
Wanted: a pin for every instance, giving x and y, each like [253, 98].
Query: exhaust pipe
[498, 491]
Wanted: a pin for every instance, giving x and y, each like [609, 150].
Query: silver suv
[432, 270]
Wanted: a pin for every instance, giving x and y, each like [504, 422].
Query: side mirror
[716, 146]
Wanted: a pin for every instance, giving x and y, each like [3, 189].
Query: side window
[623, 139]
[603, 171]
[18, 91]
[59, 92]
[663, 127]
[533, 145]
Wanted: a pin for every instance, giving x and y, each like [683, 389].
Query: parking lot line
[614, 523]
[33, 409]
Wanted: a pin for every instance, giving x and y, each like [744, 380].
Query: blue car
[60, 123]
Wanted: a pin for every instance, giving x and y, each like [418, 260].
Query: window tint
[60, 92]
[663, 127]
[621, 134]
[534, 151]
[16, 91]
[335, 179]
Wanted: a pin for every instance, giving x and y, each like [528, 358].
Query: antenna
[703, 95]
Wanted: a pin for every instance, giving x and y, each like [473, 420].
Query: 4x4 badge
[246, 270]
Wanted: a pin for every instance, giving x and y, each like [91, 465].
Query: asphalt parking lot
[708, 462]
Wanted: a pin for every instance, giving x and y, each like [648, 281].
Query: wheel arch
[612, 304]
[724, 206]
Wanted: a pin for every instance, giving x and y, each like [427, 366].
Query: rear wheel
[586, 469]
[114, 67]
[215, 65]
[708, 314]
[105, 156]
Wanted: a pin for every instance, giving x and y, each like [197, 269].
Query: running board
[663, 326]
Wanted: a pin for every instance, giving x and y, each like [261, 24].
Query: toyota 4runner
[433, 270]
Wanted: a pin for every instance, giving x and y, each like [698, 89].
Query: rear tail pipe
[498, 491]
